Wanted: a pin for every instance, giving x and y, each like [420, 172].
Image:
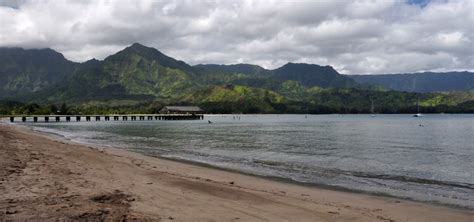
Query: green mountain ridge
[241, 68]
[420, 82]
[143, 75]
[313, 75]
[26, 71]
[137, 72]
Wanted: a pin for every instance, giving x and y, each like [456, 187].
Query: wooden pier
[114, 117]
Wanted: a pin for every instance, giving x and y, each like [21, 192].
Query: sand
[45, 178]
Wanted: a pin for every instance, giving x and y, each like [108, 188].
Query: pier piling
[124, 117]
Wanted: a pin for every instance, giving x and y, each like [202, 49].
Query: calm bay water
[429, 158]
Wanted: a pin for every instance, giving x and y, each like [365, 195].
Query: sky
[353, 36]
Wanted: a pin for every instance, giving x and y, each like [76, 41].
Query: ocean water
[427, 159]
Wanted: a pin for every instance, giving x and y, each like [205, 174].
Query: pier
[112, 117]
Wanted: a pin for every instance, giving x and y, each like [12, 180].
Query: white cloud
[362, 36]
[450, 40]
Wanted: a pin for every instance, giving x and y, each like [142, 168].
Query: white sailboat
[372, 112]
[418, 107]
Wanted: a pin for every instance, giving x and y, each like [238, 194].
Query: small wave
[268, 162]
[334, 172]
[50, 131]
[413, 180]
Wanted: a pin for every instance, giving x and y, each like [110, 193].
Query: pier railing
[111, 117]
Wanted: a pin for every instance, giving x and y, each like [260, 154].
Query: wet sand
[45, 178]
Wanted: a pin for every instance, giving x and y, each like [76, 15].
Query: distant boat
[418, 107]
[372, 110]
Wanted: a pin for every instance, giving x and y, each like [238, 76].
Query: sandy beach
[45, 178]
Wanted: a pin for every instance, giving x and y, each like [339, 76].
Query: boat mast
[418, 105]
[372, 107]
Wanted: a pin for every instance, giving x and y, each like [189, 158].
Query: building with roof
[181, 110]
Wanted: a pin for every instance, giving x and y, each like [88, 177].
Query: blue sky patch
[421, 3]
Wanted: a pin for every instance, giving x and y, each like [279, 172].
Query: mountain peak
[152, 54]
[92, 60]
[43, 53]
[233, 68]
[313, 75]
[91, 63]
[307, 68]
[137, 45]
[143, 50]
[294, 64]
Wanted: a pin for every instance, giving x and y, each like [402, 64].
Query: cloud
[362, 36]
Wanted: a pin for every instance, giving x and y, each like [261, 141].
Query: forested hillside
[421, 82]
[142, 79]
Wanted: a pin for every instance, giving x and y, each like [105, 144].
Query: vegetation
[237, 99]
[421, 82]
[243, 99]
[15, 108]
[140, 79]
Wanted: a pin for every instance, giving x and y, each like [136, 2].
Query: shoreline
[312, 185]
[158, 188]
[61, 138]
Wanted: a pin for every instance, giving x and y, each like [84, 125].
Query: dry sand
[45, 178]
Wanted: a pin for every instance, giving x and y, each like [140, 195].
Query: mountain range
[421, 82]
[139, 74]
